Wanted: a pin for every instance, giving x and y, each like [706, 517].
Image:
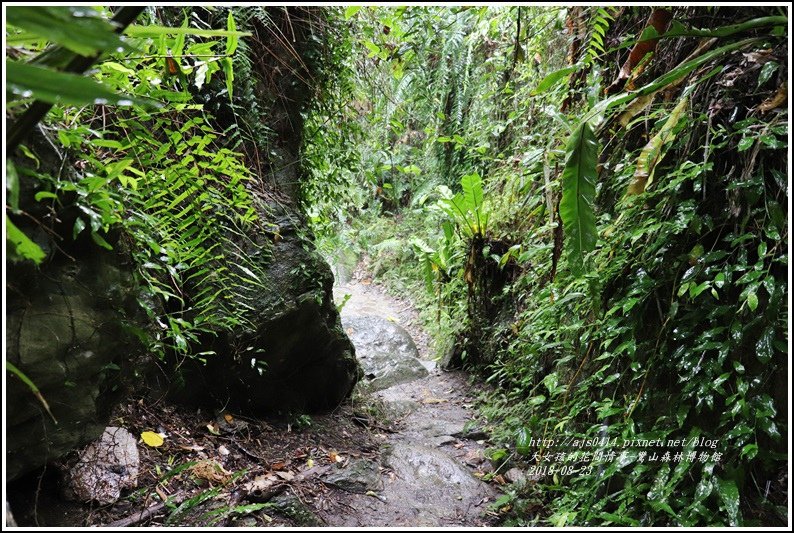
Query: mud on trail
[406, 450]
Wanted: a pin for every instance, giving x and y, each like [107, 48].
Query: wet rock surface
[386, 352]
[427, 477]
[359, 476]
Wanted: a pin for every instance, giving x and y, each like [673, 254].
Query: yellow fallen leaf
[150, 438]
[434, 400]
[310, 463]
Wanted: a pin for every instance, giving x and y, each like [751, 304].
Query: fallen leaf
[278, 465]
[434, 400]
[310, 463]
[285, 475]
[332, 457]
[150, 438]
[223, 450]
[213, 429]
[259, 483]
[161, 493]
[775, 101]
[500, 479]
[228, 417]
[211, 471]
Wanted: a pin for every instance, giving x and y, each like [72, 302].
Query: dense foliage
[608, 247]
[154, 176]
[589, 203]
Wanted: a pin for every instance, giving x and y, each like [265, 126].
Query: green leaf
[536, 400]
[135, 30]
[80, 29]
[31, 385]
[729, 495]
[12, 186]
[79, 226]
[653, 151]
[523, 439]
[552, 79]
[752, 301]
[664, 80]
[578, 193]
[228, 69]
[749, 450]
[23, 247]
[97, 238]
[473, 198]
[764, 348]
[769, 68]
[233, 38]
[350, 11]
[745, 144]
[41, 195]
[27, 80]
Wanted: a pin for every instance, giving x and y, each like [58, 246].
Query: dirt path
[432, 463]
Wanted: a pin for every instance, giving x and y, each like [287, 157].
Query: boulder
[386, 351]
[358, 476]
[292, 355]
[66, 331]
[109, 465]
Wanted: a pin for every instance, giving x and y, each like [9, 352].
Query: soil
[409, 455]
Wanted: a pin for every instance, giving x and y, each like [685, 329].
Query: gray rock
[387, 353]
[436, 485]
[9, 520]
[359, 476]
[294, 355]
[442, 440]
[399, 408]
[293, 508]
[516, 475]
[65, 331]
[108, 466]
[472, 433]
[438, 427]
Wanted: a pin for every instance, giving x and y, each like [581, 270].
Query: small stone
[108, 466]
[443, 439]
[358, 476]
[9, 522]
[293, 508]
[516, 475]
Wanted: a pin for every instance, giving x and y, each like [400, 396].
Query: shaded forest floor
[411, 454]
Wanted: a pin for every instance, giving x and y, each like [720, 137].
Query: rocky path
[430, 467]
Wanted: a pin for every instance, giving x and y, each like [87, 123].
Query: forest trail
[405, 451]
[431, 464]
